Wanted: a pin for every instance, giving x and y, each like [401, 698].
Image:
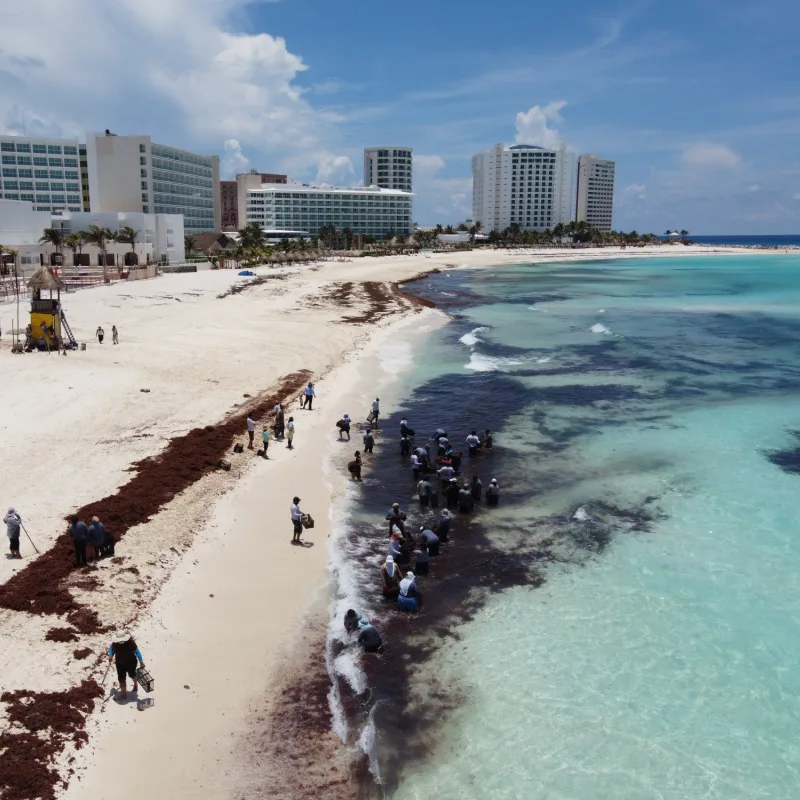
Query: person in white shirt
[251, 430]
[473, 442]
[308, 397]
[297, 520]
[415, 466]
[376, 410]
[290, 433]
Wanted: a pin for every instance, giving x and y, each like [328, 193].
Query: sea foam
[598, 328]
[471, 339]
[482, 363]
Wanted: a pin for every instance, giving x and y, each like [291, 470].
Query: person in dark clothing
[430, 539]
[280, 423]
[492, 493]
[476, 488]
[390, 575]
[405, 445]
[404, 429]
[79, 534]
[13, 523]
[451, 494]
[421, 561]
[355, 467]
[396, 517]
[368, 637]
[100, 334]
[486, 440]
[126, 655]
[443, 526]
[369, 441]
[440, 432]
[455, 461]
[424, 492]
[97, 538]
[465, 502]
[344, 426]
[351, 620]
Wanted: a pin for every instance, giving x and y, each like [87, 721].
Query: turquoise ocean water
[636, 406]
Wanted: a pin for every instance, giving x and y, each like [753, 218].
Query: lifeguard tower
[47, 316]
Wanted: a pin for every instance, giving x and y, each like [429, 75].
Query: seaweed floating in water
[789, 459]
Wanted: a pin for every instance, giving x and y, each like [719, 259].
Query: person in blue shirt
[308, 396]
[79, 534]
[126, 655]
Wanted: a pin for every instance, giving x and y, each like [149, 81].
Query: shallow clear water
[664, 664]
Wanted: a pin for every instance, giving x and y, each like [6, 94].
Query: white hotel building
[297, 207]
[389, 167]
[522, 184]
[595, 193]
[44, 172]
[134, 174]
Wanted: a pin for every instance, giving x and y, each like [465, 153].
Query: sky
[697, 101]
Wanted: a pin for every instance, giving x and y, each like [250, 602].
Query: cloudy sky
[698, 101]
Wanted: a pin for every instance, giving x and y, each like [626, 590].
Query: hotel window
[73, 187]
[28, 197]
[8, 172]
[42, 198]
[42, 173]
[56, 187]
[71, 176]
[26, 185]
[58, 198]
[26, 173]
[54, 148]
[70, 151]
[11, 185]
[38, 161]
[56, 174]
[73, 198]
[39, 148]
[23, 159]
[42, 187]
[7, 147]
[9, 159]
[71, 162]
[143, 173]
[23, 148]
[142, 148]
[55, 162]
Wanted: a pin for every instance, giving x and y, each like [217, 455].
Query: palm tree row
[97, 235]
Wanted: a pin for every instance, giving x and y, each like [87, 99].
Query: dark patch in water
[789, 459]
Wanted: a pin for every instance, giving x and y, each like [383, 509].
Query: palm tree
[684, 234]
[55, 237]
[75, 242]
[100, 237]
[189, 243]
[127, 235]
[448, 229]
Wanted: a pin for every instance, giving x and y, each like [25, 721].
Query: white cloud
[196, 90]
[636, 190]
[708, 154]
[335, 169]
[533, 126]
[753, 187]
[427, 165]
[233, 159]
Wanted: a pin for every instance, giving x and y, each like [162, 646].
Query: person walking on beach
[13, 523]
[265, 437]
[308, 397]
[297, 520]
[369, 440]
[344, 426]
[79, 534]
[251, 431]
[100, 333]
[280, 424]
[290, 433]
[126, 656]
[376, 411]
[354, 467]
[97, 537]
[473, 443]
[114, 335]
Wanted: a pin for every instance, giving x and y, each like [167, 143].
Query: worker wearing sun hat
[409, 598]
[492, 493]
[13, 523]
[126, 655]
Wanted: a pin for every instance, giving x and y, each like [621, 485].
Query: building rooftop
[306, 187]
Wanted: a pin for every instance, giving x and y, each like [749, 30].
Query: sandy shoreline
[73, 427]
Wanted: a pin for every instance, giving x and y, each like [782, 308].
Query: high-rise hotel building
[133, 173]
[523, 185]
[44, 172]
[389, 167]
[595, 192]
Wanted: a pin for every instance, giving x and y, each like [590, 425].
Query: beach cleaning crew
[424, 492]
[351, 620]
[409, 598]
[473, 443]
[126, 656]
[466, 503]
[344, 426]
[265, 437]
[13, 523]
[97, 537]
[114, 335]
[476, 488]
[297, 520]
[404, 429]
[405, 445]
[79, 534]
[421, 561]
[486, 440]
[430, 539]
[415, 466]
[369, 440]
[376, 410]
[100, 334]
[390, 575]
[251, 431]
[396, 517]
[280, 422]
[290, 433]
[443, 526]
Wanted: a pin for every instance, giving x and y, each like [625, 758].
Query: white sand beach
[218, 600]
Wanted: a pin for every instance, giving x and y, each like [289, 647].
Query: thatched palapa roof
[45, 278]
